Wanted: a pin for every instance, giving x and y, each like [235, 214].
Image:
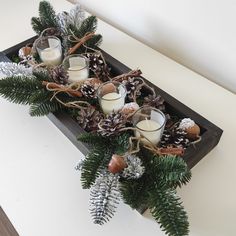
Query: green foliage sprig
[155, 189]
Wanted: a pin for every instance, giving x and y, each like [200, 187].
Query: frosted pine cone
[131, 85]
[175, 138]
[157, 102]
[98, 66]
[88, 91]
[89, 118]
[111, 124]
[59, 75]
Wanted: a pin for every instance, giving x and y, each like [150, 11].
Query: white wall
[201, 34]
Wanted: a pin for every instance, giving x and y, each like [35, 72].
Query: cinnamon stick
[172, 151]
[80, 42]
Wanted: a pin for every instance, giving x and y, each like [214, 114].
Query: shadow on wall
[191, 48]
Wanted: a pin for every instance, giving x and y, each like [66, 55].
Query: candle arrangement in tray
[136, 145]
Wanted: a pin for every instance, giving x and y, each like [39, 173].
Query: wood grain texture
[6, 227]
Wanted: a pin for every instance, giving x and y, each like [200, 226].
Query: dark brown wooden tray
[210, 133]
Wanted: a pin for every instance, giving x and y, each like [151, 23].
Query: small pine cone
[59, 75]
[88, 91]
[98, 66]
[89, 118]
[174, 138]
[131, 85]
[157, 102]
[179, 138]
[111, 124]
[166, 139]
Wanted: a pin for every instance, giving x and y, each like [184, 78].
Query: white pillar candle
[112, 102]
[51, 56]
[149, 129]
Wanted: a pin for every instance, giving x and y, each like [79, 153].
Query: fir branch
[92, 139]
[47, 18]
[96, 40]
[167, 210]
[104, 197]
[135, 192]
[42, 75]
[121, 143]
[87, 25]
[92, 165]
[19, 89]
[171, 171]
[37, 26]
[47, 14]
[44, 108]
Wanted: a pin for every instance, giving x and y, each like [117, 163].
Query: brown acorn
[24, 52]
[129, 108]
[117, 164]
[108, 88]
[95, 82]
[193, 132]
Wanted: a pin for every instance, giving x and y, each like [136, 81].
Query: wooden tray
[210, 133]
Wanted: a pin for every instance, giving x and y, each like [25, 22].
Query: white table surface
[41, 192]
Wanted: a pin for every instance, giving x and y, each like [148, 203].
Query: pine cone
[59, 75]
[88, 91]
[111, 124]
[131, 85]
[97, 65]
[175, 138]
[89, 118]
[157, 102]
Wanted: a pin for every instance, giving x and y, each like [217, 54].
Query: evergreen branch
[121, 143]
[96, 40]
[19, 89]
[36, 24]
[172, 170]
[92, 165]
[47, 18]
[88, 25]
[42, 75]
[167, 210]
[92, 139]
[134, 192]
[47, 14]
[44, 108]
[40, 96]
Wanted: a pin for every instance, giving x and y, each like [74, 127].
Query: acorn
[95, 82]
[25, 51]
[108, 88]
[190, 127]
[129, 108]
[117, 164]
[193, 132]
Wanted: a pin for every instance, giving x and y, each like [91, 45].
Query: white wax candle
[51, 56]
[112, 102]
[149, 129]
[77, 73]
